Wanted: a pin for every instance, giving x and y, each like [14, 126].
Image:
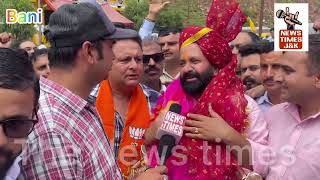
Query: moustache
[249, 80]
[151, 68]
[190, 75]
[269, 79]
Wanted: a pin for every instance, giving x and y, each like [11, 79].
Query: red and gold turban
[225, 92]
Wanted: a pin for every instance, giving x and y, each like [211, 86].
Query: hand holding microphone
[290, 19]
[170, 131]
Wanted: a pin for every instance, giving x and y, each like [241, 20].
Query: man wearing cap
[69, 141]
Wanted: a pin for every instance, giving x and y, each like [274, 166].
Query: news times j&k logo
[291, 27]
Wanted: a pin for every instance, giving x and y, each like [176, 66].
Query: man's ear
[317, 81]
[89, 52]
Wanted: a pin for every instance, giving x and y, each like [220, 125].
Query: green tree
[136, 11]
[21, 31]
[194, 15]
[172, 16]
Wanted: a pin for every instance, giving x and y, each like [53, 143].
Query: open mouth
[133, 76]
[190, 79]
[167, 54]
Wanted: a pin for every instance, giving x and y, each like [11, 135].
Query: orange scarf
[136, 123]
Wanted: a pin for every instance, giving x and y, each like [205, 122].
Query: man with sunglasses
[69, 141]
[168, 40]
[153, 64]
[19, 95]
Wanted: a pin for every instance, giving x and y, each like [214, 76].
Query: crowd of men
[90, 106]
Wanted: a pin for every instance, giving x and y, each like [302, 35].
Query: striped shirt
[152, 97]
[69, 141]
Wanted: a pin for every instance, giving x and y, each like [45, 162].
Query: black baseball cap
[73, 24]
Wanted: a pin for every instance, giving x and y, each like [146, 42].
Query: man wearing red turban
[212, 97]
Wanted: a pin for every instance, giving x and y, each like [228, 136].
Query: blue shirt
[264, 102]
[146, 29]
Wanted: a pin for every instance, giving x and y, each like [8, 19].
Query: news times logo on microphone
[291, 26]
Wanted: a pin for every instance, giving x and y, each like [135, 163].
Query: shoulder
[252, 104]
[94, 94]
[149, 92]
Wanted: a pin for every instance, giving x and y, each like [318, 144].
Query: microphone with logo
[281, 14]
[170, 131]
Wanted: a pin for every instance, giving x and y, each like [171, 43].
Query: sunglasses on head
[158, 57]
[19, 127]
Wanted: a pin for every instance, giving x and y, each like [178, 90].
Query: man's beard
[6, 160]
[250, 82]
[196, 87]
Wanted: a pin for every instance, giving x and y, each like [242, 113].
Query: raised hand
[6, 40]
[155, 8]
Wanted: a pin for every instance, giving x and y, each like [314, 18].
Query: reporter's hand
[151, 132]
[155, 8]
[157, 173]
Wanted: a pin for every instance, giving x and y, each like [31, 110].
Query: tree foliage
[179, 13]
[21, 31]
[136, 11]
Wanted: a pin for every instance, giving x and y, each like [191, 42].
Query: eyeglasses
[158, 57]
[19, 127]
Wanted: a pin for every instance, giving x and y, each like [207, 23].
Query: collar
[169, 76]
[163, 88]
[148, 92]
[264, 99]
[63, 94]
[292, 109]
[15, 169]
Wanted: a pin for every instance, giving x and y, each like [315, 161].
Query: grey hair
[150, 40]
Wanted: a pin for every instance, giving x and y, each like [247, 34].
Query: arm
[256, 156]
[214, 127]
[258, 129]
[147, 27]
